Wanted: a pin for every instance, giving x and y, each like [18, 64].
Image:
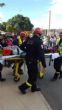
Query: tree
[3, 26]
[17, 23]
[2, 4]
[20, 23]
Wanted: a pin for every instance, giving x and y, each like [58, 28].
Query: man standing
[58, 61]
[34, 52]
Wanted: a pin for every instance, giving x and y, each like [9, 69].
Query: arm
[41, 54]
[23, 45]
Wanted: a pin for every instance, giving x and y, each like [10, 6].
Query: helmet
[38, 31]
[60, 34]
[23, 34]
[26, 33]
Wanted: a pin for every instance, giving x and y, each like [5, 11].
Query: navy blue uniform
[34, 52]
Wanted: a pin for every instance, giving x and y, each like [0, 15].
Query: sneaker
[36, 89]
[2, 79]
[21, 90]
[55, 77]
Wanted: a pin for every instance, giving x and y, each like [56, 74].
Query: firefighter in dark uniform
[23, 36]
[34, 52]
[58, 61]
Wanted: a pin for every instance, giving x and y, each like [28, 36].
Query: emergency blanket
[55, 55]
[52, 55]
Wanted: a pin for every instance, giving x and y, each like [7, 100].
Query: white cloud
[1, 14]
[56, 16]
[56, 6]
[42, 21]
[56, 1]
[56, 13]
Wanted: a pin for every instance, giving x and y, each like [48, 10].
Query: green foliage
[17, 23]
[2, 4]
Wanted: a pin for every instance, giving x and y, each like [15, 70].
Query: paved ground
[12, 99]
[52, 91]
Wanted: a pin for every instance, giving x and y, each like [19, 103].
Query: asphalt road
[52, 91]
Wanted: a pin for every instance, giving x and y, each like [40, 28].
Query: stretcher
[16, 59]
[12, 54]
[52, 56]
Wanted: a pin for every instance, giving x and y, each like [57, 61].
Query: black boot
[60, 75]
[55, 77]
[2, 79]
[34, 88]
[23, 88]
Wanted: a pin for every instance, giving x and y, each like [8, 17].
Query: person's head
[60, 34]
[24, 35]
[37, 31]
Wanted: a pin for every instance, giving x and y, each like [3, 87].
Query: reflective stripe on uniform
[19, 40]
[28, 84]
[41, 74]
[60, 49]
[40, 69]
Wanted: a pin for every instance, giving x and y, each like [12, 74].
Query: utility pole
[49, 21]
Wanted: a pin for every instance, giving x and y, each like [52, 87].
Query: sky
[38, 12]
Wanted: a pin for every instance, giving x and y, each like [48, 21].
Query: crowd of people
[34, 48]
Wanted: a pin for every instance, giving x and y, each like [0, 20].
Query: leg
[20, 69]
[40, 70]
[1, 67]
[60, 68]
[16, 75]
[57, 69]
[32, 77]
